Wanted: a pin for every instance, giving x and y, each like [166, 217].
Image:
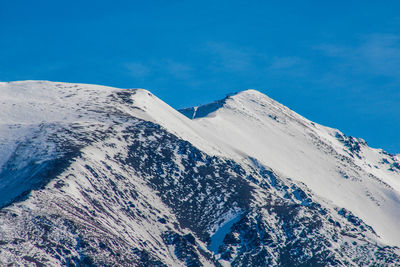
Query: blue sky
[336, 63]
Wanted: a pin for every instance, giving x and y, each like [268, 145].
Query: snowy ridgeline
[93, 175]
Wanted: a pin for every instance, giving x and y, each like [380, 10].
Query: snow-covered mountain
[99, 176]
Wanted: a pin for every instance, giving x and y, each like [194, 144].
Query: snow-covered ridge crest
[234, 101]
[26, 104]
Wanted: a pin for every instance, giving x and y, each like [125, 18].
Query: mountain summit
[99, 176]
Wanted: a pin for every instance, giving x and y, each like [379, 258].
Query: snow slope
[363, 180]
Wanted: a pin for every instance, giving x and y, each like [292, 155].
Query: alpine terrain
[99, 176]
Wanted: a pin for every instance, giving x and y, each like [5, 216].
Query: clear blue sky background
[334, 62]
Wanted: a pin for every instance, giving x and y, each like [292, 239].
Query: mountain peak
[209, 108]
[249, 92]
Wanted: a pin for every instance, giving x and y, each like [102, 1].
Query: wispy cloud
[376, 54]
[368, 71]
[229, 58]
[381, 53]
[250, 62]
[221, 58]
[284, 63]
[177, 70]
[137, 69]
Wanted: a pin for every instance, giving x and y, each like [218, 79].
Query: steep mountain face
[99, 176]
[340, 168]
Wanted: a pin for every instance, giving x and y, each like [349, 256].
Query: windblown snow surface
[98, 176]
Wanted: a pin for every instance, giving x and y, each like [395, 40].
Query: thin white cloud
[137, 69]
[381, 53]
[368, 71]
[160, 68]
[227, 57]
[177, 69]
[376, 54]
[255, 64]
[284, 63]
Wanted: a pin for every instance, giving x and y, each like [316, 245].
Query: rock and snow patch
[220, 230]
